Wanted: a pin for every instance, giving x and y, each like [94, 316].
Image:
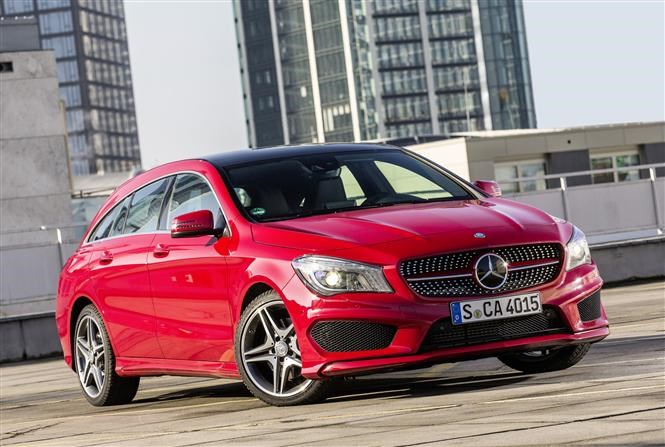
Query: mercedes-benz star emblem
[491, 271]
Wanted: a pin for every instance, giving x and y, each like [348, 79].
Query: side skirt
[136, 366]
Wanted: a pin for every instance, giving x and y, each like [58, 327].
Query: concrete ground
[615, 396]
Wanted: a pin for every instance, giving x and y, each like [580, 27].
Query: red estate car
[287, 267]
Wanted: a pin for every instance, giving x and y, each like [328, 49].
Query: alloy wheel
[90, 356]
[270, 353]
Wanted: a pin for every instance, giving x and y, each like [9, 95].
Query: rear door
[189, 281]
[118, 267]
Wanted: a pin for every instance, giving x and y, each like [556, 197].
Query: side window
[352, 188]
[192, 193]
[104, 227]
[120, 217]
[405, 181]
[145, 206]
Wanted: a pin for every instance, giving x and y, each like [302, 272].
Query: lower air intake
[589, 308]
[348, 336]
[443, 334]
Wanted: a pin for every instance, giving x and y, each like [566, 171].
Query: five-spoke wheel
[90, 356]
[268, 355]
[94, 362]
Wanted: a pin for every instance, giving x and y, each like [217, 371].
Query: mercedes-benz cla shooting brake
[289, 267]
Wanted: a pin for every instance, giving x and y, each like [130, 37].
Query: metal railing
[31, 259]
[563, 184]
[62, 235]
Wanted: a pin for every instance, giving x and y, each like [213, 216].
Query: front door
[189, 281]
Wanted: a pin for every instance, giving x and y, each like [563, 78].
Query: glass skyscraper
[89, 40]
[350, 70]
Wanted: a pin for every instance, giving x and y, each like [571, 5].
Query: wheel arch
[258, 286]
[252, 292]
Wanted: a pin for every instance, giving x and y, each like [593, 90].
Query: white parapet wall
[451, 154]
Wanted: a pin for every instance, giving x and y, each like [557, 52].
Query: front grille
[589, 307]
[443, 334]
[347, 336]
[451, 275]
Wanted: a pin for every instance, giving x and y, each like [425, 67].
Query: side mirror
[490, 187]
[196, 223]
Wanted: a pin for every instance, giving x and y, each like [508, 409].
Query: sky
[593, 62]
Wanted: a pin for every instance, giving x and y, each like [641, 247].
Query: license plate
[495, 308]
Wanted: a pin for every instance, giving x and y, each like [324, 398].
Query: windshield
[333, 182]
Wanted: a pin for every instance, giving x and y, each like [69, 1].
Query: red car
[288, 267]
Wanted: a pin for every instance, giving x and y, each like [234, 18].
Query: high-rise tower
[349, 70]
[89, 40]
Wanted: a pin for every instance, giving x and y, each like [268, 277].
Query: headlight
[578, 250]
[329, 276]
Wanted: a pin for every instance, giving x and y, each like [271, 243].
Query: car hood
[430, 222]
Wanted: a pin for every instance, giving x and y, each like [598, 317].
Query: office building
[350, 70]
[89, 40]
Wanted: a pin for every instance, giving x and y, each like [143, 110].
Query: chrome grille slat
[451, 275]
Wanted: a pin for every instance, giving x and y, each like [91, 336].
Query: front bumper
[355, 367]
[413, 317]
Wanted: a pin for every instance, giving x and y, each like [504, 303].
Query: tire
[265, 341]
[546, 360]
[91, 342]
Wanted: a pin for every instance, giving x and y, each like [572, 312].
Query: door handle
[106, 258]
[161, 251]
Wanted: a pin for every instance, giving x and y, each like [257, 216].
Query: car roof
[242, 156]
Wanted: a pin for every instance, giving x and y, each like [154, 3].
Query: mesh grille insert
[460, 267]
[443, 334]
[589, 308]
[347, 336]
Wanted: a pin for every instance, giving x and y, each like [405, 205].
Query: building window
[395, 6]
[397, 28]
[448, 5]
[55, 22]
[61, 46]
[75, 121]
[453, 51]
[78, 145]
[403, 81]
[613, 161]
[517, 171]
[68, 71]
[400, 55]
[52, 4]
[458, 104]
[80, 167]
[446, 25]
[17, 6]
[407, 108]
[456, 77]
[71, 94]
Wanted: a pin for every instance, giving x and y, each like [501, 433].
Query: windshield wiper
[309, 213]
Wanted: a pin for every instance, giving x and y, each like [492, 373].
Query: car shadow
[360, 388]
[403, 387]
[224, 390]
